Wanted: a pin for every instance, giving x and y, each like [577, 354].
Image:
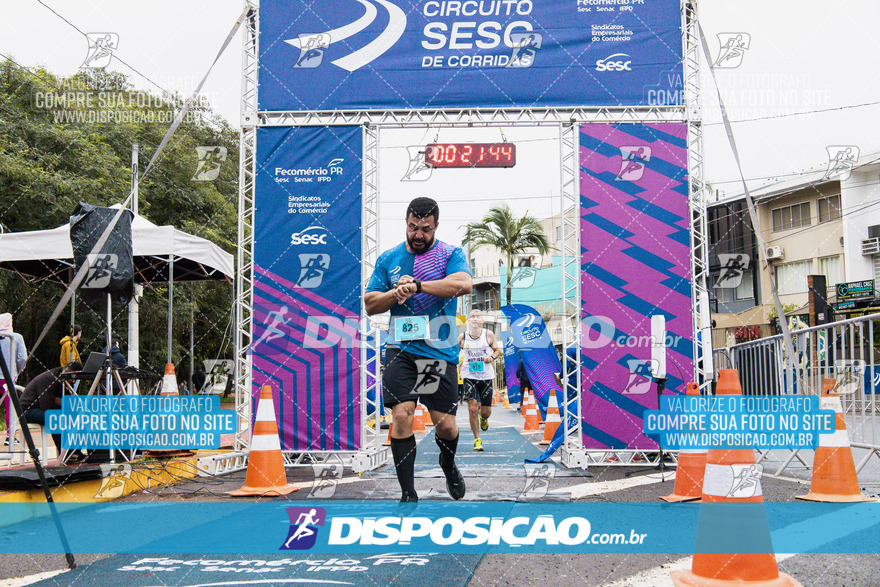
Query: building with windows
[815, 223]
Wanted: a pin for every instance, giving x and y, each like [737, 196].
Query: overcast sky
[802, 56]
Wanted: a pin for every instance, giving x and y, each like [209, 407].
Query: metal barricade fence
[847, 351]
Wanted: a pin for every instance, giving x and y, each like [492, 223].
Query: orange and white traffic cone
[505, 400]
[553, 420]
[732, 477]
[690, 469]
[265, 472]
[426, 417]
[169, 382]
[388, 442]
[533, 420]
[525, 402]
[834, 471]
[169, 387]
[419, 419]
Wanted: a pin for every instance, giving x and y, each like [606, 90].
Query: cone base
[246, 491]
[689, 579]
[675, 498]
[828, 498]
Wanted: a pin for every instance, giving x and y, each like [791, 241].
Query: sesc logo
[616, 62]
[314, 235]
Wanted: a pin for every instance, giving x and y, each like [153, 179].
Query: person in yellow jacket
[69, 351]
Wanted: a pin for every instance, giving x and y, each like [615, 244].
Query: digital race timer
[470, 155]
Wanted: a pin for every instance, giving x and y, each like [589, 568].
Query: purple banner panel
[635, 263]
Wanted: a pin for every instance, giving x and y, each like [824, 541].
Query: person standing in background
[198, 380]
[69, 352]
[15, 355]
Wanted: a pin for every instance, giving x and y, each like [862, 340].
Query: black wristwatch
[418, 283]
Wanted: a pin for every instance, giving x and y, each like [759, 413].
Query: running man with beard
[418, 282]
[480, 349]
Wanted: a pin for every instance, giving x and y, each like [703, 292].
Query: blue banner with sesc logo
[307, 283]
[393, 54]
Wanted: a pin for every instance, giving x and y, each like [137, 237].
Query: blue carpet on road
[503, 447]
[273, 569]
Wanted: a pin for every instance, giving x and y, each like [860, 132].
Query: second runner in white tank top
[475, 350]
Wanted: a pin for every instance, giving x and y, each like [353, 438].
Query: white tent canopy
[47, 254]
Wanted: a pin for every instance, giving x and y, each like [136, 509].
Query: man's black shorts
[413, 378]
[478, 389]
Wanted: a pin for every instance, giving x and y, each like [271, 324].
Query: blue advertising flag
[538, 354]
[511, 362]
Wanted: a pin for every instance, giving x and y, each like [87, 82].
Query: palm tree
[499, 228]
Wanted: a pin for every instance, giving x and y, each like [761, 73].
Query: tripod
[661, 466]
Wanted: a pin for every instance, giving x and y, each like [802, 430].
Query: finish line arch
[271, 129]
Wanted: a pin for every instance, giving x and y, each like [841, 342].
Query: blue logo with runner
[304, 523]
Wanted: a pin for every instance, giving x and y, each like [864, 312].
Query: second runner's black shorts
[478, 389]
[413, 378]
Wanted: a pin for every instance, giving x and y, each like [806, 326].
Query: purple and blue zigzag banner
[635, 263]
[511, 362]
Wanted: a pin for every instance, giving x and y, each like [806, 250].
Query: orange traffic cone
[525, 402]
[169, 387]
[533, 420]
[419, 420]
[724, 467]
[690, 469]
[169, 382]
[388, 442]
[265, 472]
[426, 417]
[834, 471]
[505, 400]
[553, 420]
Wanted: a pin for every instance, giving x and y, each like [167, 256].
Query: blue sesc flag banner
[307, 280]
[531, 338]
[511, 362]
[394, 54]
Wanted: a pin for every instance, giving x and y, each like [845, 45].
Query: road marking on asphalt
[344, 481]
[600, 487]
[660, 576]
[20, 581]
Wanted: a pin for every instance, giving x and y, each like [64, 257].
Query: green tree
[499, 228]
[65, 140]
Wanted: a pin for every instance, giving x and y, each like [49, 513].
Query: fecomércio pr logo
[304, 525]
[313, 46]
